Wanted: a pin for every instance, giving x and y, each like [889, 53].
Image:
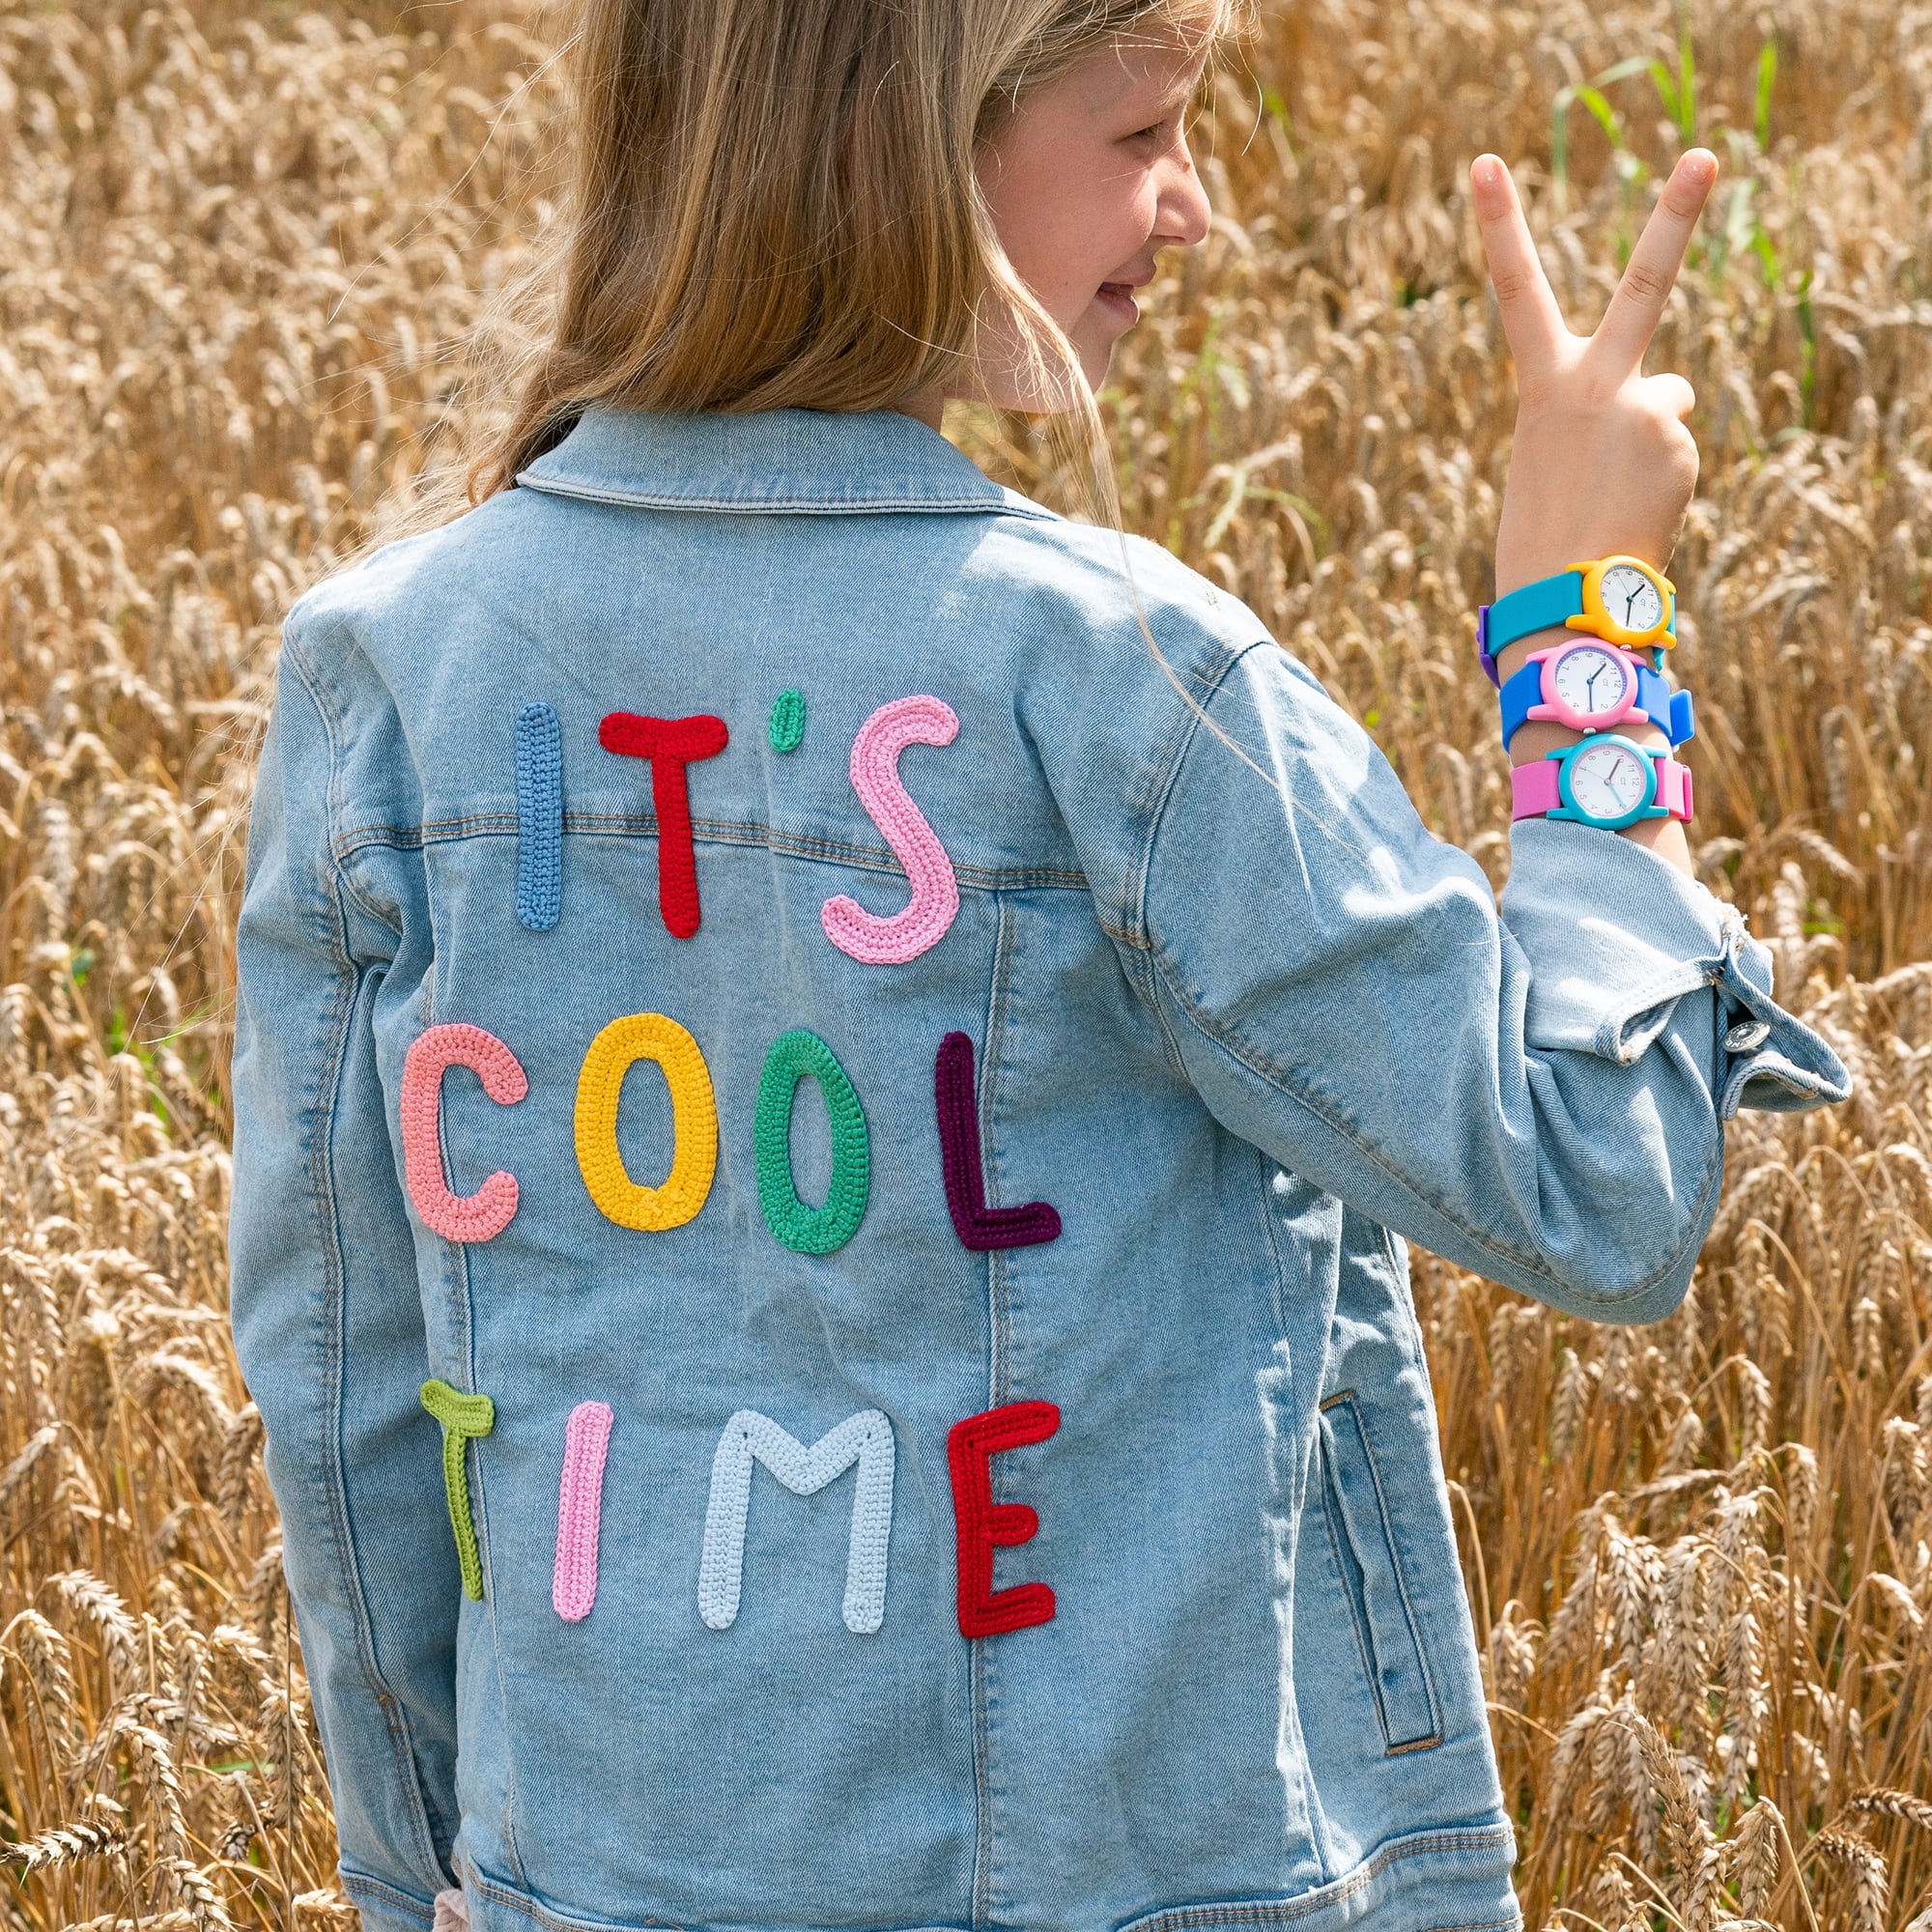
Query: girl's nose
[1183, 215]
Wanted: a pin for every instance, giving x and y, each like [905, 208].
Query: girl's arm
[328, 1327]
[1603, 462]
[1538, 1094]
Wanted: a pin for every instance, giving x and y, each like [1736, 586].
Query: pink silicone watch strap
[1533, 789]
[1674, 791]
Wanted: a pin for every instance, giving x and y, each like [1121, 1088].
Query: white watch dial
[1591, 681]
[1631, 599]
[1607, 781]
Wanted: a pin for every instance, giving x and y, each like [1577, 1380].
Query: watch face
[1607, 781]
[1591, 681]
[1631, 599]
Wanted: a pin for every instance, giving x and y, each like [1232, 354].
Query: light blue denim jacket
[1237, 1027]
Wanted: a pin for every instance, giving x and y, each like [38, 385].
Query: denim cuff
[1615, 937]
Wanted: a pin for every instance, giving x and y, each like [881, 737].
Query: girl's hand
[1603, 462]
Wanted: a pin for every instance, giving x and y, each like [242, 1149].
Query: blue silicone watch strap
[1670, 710]
[1542, 606]
[1523, 688]
[1659, 702]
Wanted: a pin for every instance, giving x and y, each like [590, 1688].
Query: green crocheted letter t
[462, 1416]
[810, 1230]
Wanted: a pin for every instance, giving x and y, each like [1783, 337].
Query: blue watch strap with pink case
[1670, 710]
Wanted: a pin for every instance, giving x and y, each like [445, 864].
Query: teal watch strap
[1542, 606]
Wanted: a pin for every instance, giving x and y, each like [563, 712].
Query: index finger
[1631, 318]
[1531, 319]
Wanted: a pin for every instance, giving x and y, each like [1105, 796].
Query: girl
[834, 1069]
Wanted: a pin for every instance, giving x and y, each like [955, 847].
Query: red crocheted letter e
[671, 744]
[984, 1526]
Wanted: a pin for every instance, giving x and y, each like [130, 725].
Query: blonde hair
[773, 205]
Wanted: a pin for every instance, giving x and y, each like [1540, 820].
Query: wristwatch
[1604, 780]
[1620, 599]
[1592, 686]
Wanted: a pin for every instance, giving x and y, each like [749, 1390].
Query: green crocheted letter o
[462, 1416]
[810, 1230]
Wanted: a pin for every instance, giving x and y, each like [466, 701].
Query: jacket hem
[1444, 1881]
[385, 1907]
[1455, 1880]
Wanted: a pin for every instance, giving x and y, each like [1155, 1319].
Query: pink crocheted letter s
[935, 892]
[458, 1217]
[578, 1505]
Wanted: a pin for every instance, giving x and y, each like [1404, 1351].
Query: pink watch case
[1552, 706]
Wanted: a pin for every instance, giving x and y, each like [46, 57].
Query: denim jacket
[824, 1144]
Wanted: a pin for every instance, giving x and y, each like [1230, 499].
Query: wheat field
[245, 252]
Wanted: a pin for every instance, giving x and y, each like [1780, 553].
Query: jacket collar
[775, 461]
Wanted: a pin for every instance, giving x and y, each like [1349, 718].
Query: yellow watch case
[1625, 602]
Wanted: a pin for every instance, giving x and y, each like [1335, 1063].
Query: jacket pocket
[1372, 1580]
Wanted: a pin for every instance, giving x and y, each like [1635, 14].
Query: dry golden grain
[63, 1845]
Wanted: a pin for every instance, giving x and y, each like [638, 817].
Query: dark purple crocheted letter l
[978, 1227]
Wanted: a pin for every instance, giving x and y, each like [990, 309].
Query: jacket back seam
[322, 1168]
[749, 833]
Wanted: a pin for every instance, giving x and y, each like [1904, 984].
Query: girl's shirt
[823, 1147]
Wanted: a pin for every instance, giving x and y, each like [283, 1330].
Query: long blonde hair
[773, 205]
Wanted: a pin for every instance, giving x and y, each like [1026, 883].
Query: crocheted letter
[864, 1438]
[579, 1504]
[810, 1230]
[935, 892]
[600, 1085]
[462, 1416]
[983, 1525]
[672, 745]
[458, 1217]
[978, 1227]
[539, 817]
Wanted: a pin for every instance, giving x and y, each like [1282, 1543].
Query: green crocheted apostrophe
[810, 1230]
[462, 1416]
[787, 727]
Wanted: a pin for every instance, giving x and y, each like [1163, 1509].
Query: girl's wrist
[1662, 835]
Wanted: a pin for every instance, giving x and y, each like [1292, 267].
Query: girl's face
[1086, 181]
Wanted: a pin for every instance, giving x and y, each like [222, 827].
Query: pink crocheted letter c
[935, 892]
[580, 1505]
[458, 1217]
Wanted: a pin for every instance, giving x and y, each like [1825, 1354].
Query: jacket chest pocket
[1372, 1582]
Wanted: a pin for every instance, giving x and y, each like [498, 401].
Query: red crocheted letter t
[671, 744]
[983, 1525]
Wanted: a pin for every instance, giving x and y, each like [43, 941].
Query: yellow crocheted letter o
[694, 1109]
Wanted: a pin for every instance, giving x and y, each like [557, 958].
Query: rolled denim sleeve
[329, 1328]
[1535, 1091]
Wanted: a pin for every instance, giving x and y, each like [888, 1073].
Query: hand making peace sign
[1601, 462]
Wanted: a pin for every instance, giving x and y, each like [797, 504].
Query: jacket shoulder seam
[339, 854]
[1167, 776]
